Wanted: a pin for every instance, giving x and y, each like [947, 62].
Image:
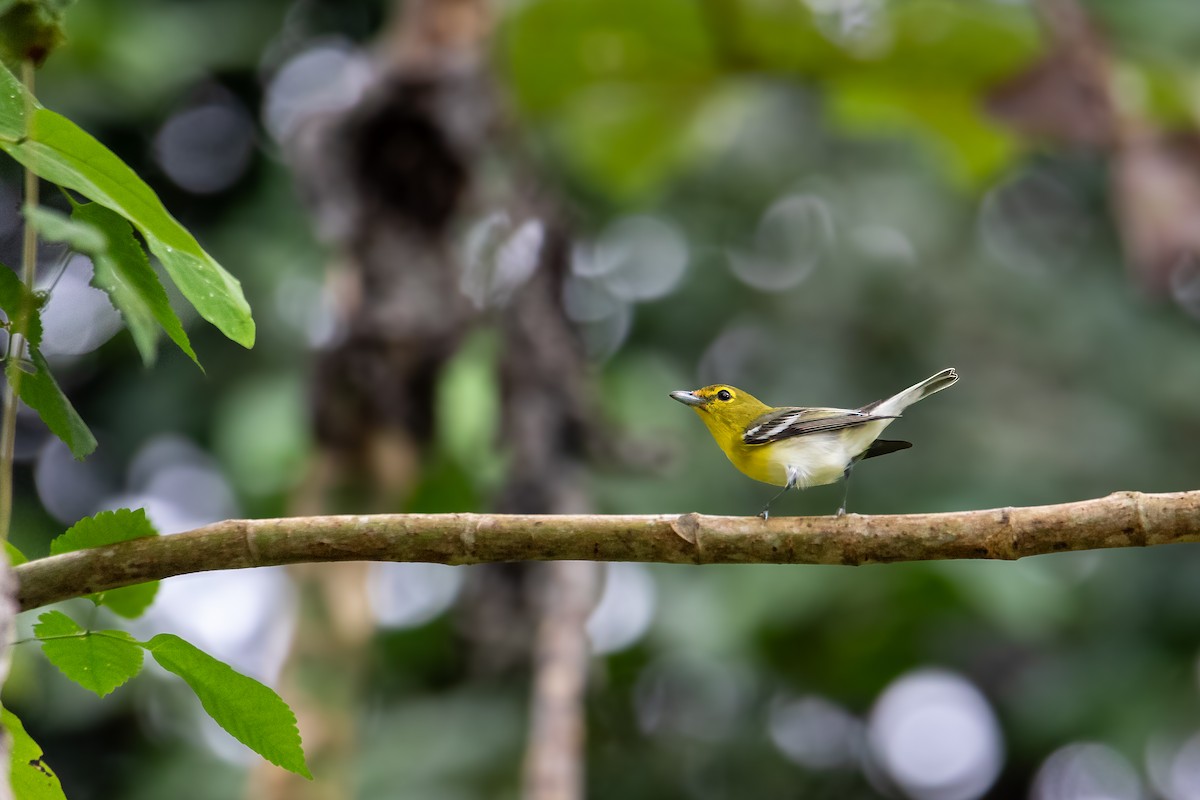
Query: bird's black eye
[724, 395]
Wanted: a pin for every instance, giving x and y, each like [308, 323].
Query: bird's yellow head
[726, 410]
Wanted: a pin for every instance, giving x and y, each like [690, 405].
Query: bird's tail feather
[895, 404]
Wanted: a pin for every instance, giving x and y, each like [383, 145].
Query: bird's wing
[784, 423]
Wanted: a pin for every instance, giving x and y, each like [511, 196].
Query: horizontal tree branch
[1125, 519]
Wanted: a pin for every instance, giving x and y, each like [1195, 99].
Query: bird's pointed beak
[688, 398]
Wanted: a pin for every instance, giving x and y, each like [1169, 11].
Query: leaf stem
[8, 424]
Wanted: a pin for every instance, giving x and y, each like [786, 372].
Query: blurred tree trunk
[389, 179]
[554, 764]
[1154, 184]
[547, 415]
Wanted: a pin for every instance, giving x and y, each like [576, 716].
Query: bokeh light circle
[936, 737]
[1086, 771]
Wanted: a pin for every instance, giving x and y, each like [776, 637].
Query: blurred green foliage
[942, 240]
[634, 88]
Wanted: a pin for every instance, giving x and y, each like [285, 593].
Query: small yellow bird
[802, 447]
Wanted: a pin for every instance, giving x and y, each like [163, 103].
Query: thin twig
[17, 328]
[1124, 519]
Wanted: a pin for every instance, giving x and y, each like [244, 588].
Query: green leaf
[56, 623]
[56, 226]
[30, 776]
[121, 270]
[13, 297]
[60, 151]
[15, 556]
[99, 661]
[248, 710]
[124, 273]
[12, 291]
[129, 602]
[110, 527]
[41, 393]
[38, 388]
[107, 527]
[12, 106]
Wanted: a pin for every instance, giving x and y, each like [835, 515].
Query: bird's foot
[764, 514]
[841, 512]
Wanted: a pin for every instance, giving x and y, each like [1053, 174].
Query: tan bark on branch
[1124, 519]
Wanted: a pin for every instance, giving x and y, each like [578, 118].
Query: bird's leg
[767, 508]
[841, 512]
[791, 484]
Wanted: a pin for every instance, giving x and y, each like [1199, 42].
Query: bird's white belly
[811, 460]
[822, 458]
